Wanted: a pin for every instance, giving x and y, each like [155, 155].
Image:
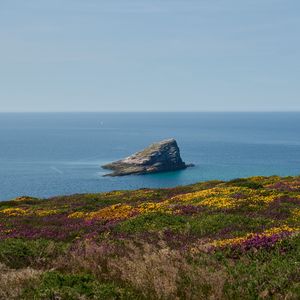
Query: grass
[53, 285]
[212, 240]
[154, 221]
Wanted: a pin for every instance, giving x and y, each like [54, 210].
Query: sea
[50, 154]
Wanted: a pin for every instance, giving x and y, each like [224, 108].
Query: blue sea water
[48, 154]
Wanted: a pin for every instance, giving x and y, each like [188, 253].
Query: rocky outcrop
[158, 157]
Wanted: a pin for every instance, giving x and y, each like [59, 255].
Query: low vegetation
[212, 240]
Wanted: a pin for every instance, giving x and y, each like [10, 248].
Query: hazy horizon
[181, 111]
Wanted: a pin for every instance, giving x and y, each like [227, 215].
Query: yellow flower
[296, 214]
[266, 233]
[113, 212]
[44, 213]
[148, 207]
[22, 198]
[77, 214]
[228, 197]
[13, 212]
[221, 202]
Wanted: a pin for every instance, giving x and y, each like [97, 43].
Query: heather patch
[265, 239]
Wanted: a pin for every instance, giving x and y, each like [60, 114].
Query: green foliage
[55, 285]
[199, 186]
[243, 182]
[21, 202]
[208, 224]
[19, 253]
[267, 274]
[152, 221]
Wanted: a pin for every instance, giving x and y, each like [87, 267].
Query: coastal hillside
[211, 240]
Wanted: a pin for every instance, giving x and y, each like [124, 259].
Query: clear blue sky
[149, 55]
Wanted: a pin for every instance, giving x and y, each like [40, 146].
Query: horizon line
[164, 111]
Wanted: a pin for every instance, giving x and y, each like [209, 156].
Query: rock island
[159, 157]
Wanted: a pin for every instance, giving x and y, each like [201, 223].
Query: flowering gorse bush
[13, 212]
[117, 211]
[228, 197]
[257, 240]
[44, 213]
[296, 215]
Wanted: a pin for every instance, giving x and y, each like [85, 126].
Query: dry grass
[149, 269]
[13, 281]
[163, 273]
[156, 271]
[87, 256]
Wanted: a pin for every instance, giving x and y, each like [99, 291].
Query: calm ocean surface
[47, 154]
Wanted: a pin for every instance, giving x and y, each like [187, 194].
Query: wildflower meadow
[211, 240]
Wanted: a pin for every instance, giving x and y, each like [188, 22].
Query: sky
[149, 55]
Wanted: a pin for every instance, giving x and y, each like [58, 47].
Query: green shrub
[243, 182]
[152, 221]
[55, 285]
[19, 253]
[205, 224]
[267, 274]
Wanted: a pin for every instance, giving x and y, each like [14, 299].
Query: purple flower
[258, 241]
[188, 209]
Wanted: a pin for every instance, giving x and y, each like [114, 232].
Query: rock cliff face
[158, 157]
